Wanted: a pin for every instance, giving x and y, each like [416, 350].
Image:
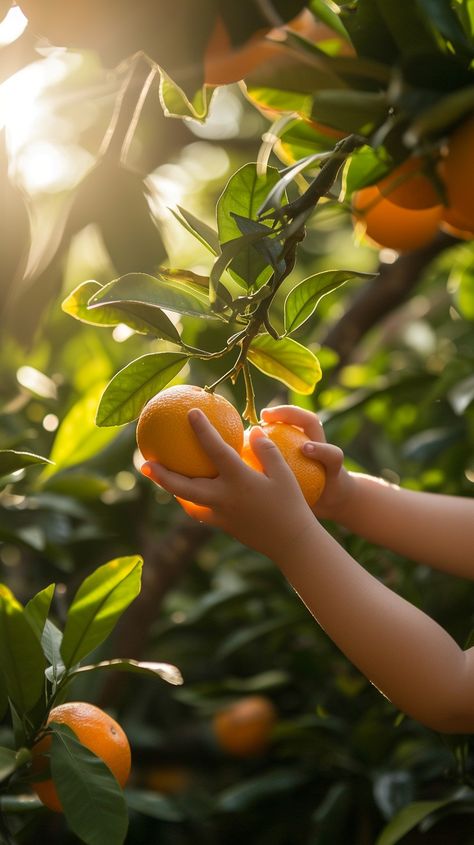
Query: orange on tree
[310, 474]
[458, 173]
[164, 433]
[224, 63]
[93, 728]
[409, 185]
[390, 225]
[244, 728]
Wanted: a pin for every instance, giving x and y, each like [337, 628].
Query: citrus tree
[318, 272]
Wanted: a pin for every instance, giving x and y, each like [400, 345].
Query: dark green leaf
[153, 805]
[350, 111]
[408, 818]
[243, 637]
[286, 360]
[166, 671]
[129, 390]
[22, 661]
[304, 298]
[37, 609]
[7, 762]
[93, 802]
[445, 19]
[12, 461]
[439, 117]
[98, 604]
[153, 290]
[242, 796]
[243, 195]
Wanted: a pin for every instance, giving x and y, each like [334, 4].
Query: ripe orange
[389, 225]
[409, 185]
[164, 433]
[94, 729]
[458, 171]
[311, 475]
[244, 729]
[453, 223]
[224, 63]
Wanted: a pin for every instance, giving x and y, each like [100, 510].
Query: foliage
[256, 287]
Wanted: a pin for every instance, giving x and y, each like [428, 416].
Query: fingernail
[308, 448]
[145, 469]
[195, 415]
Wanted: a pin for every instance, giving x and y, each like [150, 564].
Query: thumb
[269, 455]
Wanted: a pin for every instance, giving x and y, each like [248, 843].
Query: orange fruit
[390, 225]
[409, 186]
[453, 223]
[310, 474]
[169, 780]
[458, 172]
[224, 63]
[93, 728]
[164, 433]
[244, 728]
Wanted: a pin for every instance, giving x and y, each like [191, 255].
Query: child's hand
[265, 511]
[339, 483]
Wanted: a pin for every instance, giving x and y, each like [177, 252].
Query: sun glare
[12, 26]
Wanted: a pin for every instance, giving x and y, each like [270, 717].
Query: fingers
[223, 456]
[194, 489]
[331, 456]
[293, 415]
[269, 455]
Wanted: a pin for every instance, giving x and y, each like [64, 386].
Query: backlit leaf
[22, 661]
[153, 290]
[37, 609]
[287, 361]
[97, 606]
[129, 390]
[304, 298]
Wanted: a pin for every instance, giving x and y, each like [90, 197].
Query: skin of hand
[265, 511]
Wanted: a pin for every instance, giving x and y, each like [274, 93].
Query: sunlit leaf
[129, 390]
[205, 234]
[92, 800]
[243, 195]
[37, 609]
[303, 299]
[22, 661]
[97, 606]
[166, 671]
[140, 316]
[153, 290]
[78, 438]
[287, 361]
[176, 104]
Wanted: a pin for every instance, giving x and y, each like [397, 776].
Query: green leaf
[12, 461]
[154, 805]
[441, 115]
[242, 796]
[408, 818]
[22, 661]
[251, 634]
[37, 609]
[98, 604]
[205, 234]
[326, 12]
[93, 802]
[243, 195]
[166, 671]
[140, 316]
[51, 641]
[8, 762]
[175, 103]
[364, 167]
[153, 291]
[350, 111]
[78, 438]
[3, 697]
[305, 297]
[129, 390]
[287, 361]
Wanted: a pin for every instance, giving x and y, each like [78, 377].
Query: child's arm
[430, 528]
[403, 652]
